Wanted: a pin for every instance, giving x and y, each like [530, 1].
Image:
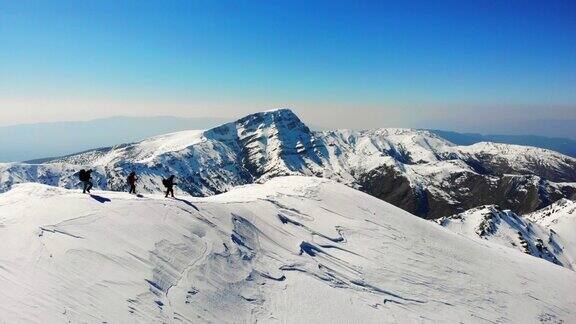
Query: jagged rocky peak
[280, 124]
[283, 118]
[277, 120]
[275, 142]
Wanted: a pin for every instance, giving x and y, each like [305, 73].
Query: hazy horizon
[553, 128]
[487, 67]
[43, 140]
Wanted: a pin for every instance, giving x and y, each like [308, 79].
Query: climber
[86, 177]
[132, 182]
[169, 184]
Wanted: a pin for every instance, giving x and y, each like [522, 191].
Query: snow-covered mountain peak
[263, 119]
[270, 123]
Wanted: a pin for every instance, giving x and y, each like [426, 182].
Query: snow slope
[506, 228]
[291, 250]
[413, 169]
[560, 219]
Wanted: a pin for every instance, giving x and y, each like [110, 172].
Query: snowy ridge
[413, 169]
[273, 252]
[505, 228]
[560, 219]
[525, 159]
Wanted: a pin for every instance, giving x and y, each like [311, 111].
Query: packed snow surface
[292, 250]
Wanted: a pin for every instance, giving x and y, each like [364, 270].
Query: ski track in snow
[294, 250]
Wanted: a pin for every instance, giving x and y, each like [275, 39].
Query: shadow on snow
[100, 199]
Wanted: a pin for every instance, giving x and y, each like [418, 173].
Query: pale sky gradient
[466, 66]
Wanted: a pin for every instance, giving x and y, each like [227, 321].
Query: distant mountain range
[45, 140]
[37, 141]
[563, 145]
[413, 169]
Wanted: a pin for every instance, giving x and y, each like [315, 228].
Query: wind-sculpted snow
[292, 250]
[413, 169]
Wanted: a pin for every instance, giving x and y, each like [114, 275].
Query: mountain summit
[413, 169]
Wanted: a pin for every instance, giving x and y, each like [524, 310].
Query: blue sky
[351, 63]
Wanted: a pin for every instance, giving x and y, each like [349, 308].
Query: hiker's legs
[85, 186]
[133, 189]
[89, 186]
[172, 192]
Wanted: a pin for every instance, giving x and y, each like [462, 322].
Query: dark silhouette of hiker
[132, 182]
[85, 176]
[169, 184]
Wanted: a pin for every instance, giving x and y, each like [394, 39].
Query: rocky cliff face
[413, 169]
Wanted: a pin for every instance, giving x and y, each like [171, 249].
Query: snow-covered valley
[291, 250]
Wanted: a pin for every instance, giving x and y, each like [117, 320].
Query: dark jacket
[132, 179]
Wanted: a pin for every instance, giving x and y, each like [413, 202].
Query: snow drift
[295, 249]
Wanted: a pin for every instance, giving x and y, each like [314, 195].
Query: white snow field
[291, 250]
